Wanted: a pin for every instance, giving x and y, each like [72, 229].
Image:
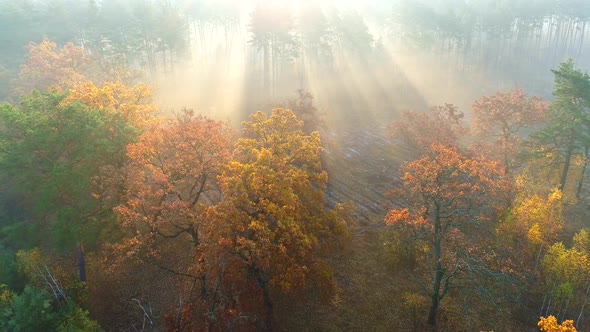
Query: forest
[283, 165]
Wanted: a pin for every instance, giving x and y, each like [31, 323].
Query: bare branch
[147, 317]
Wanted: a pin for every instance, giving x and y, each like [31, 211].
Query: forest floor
[362, 164]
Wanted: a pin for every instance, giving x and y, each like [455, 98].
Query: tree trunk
[204, 286]
[506, 136]
[565, 309]
[581, 45]
[81, 262]
[583, 305]
[538, 259]
[547, 43]
[435, 299]
[164, 62]
[438, 276]
[172, 59]
[566, 166]
[268, 321]
[265, 50]
[584, 164]
[550, 299]
[543, 305]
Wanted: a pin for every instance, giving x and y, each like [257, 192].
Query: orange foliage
[448, 197]
[171, 177]
[49, 67]
[400, 215]
[549, 324]
[502, 117]
[418, 131]
[457, 183]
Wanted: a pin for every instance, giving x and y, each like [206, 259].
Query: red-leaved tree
[417, 131]
[501, 120]
[449, 199]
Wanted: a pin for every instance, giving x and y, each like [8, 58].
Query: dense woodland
[265, 166]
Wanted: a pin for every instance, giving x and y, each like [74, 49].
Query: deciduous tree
[501, 118]
[133, 104]
[304, 109]
[167, 184]
[449, 198]
[273, 221]
[48, 67]
[565, 274]
[418, 131]
[170, 179]
[532, 225]
[550, 324]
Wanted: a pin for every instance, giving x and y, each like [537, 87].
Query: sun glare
[298, 4]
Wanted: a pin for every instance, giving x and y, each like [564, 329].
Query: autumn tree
[449, 199]
[418, 131]
[51, 67]
[48, 67]
[532, 225]
[162, 192]
[500, 120]
[565, 273]
[550, 324]
[304, 109]
[273, 221]
[134, 104]
[168, 182]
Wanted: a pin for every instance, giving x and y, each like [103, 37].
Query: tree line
[158, 38]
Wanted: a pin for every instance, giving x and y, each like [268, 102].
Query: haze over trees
[288, 165]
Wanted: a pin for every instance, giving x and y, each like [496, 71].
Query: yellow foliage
[564, 265]
[548, 168]
[414, 306]
[549, 324]
[6, 295]
[29, 263]
[37, 267]
[535, 235]
[541, 219]
[556, 195]
[582, 241]
[133, 103]
[274, 200]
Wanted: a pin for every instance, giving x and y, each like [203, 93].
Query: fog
[191, 224]
[371, 80]
[363, 61]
